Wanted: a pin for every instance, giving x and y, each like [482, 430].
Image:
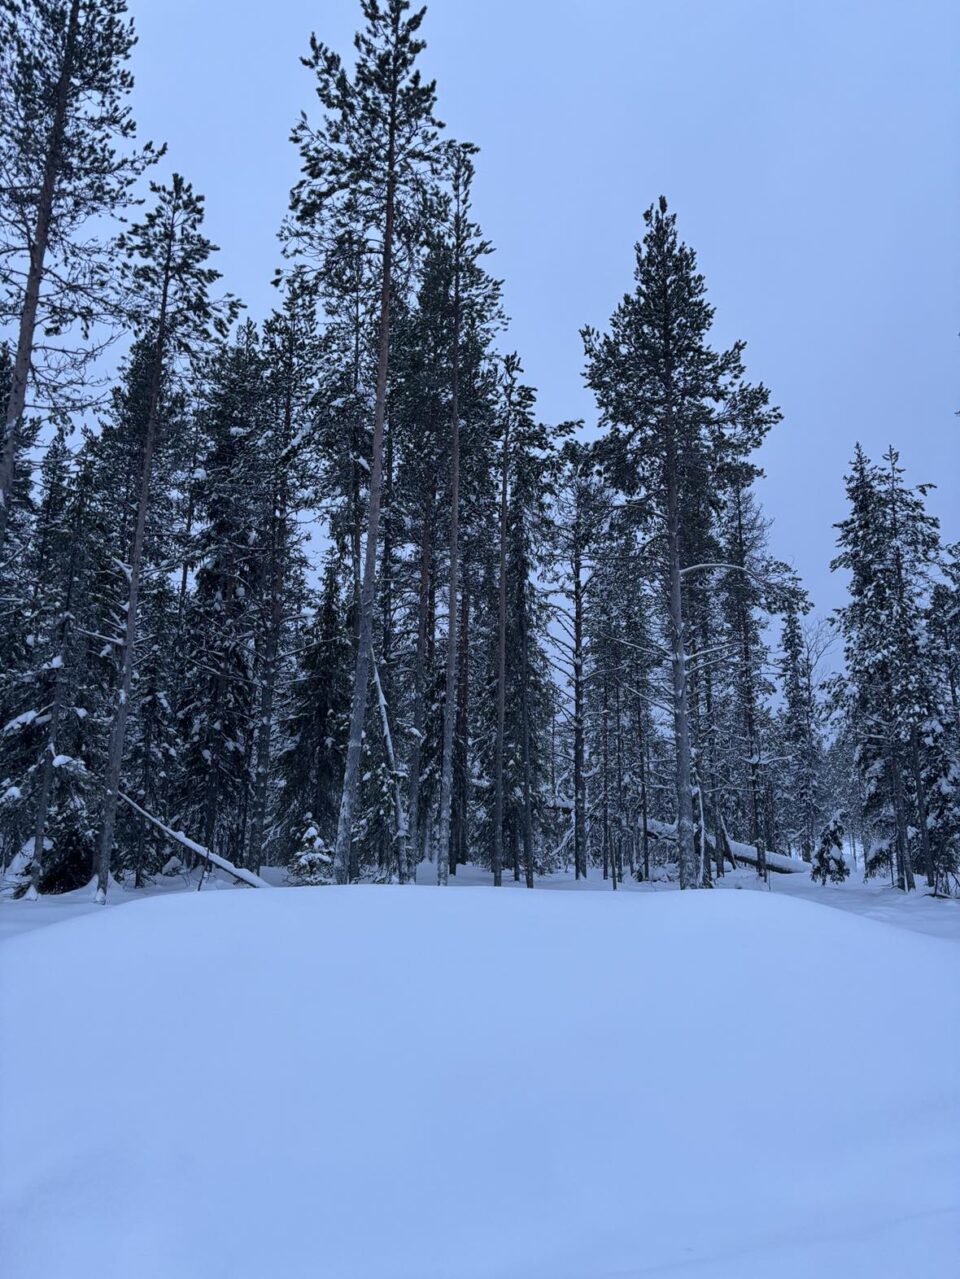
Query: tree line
[324, 592]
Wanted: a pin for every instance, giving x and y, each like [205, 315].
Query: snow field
[387, 1082]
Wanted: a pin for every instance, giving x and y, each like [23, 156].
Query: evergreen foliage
[324, 592]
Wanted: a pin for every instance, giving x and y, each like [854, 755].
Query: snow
[380, 1082]
[178, 837]
[20, 721]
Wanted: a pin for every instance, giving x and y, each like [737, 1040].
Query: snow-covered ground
[387, 1082]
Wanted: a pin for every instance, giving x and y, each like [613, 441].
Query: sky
[811, 149]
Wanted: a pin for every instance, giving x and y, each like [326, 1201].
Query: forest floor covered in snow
[381, 1082]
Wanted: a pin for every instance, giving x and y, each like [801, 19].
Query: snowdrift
[388, 1082]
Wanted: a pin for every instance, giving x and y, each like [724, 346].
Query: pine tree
[582, 508]
[50, 749]
[290, 351]
[888, 543]
[217, 701]
[473, 307]
[799, 729]
[65, 135]
[944, 629]
[674, 411]
[367, 165]
[524, 691]
[311, 759]
[167, 256]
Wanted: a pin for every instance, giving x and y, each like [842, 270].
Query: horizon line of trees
[323, 592]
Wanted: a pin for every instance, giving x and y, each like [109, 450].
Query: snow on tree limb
[238, 872]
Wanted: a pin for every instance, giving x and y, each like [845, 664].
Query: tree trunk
[579, 780]
[20, 372]
[46, 781]
[501, 665]
[419, 708]
[525, 746]
[274, 627]
[678, 670]
[118, 727]
[188, 530]
[450, 687]
[460, 804]
[926, 850]
[361, 677]
[905, 869]
[399, 807]
[643, 793]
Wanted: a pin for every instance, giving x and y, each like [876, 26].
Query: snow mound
[387, 1082]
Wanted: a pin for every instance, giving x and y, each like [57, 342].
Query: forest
[319, 589]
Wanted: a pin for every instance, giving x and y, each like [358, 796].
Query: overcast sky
[810, 149]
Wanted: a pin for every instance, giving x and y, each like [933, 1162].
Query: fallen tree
[735, 851]
[238, 872]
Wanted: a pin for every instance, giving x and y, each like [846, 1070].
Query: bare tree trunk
[678, 670]
[579, 781]
[399, 806]
[501, 665]
[118, 727]
[605, 791]
[20, 373]
[618, 846]
[361, 677]
[419, 707]
[50, 754]
[214, 746]
[460, 803]
[270, 662]
[450, 687]
[46, 780]
[526, 735]
[905, 876]
[188, 530]
[643, 808]
[926, 850]
[749, 706]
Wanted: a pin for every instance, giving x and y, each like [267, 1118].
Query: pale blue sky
[810, 149]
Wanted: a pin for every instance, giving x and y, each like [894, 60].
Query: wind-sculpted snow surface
[387, 1082]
